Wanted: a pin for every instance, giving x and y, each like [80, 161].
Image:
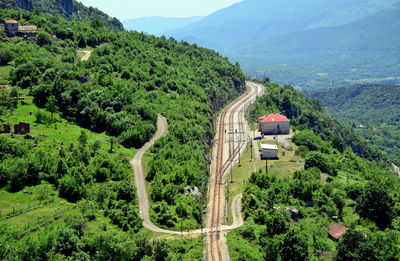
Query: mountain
[265, 37]
[158, 25]
[256, 19]
[372, 110]
[367, 50]
[70, 9]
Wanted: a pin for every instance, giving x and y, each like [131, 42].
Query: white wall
[270, 128]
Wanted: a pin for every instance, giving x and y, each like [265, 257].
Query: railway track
[214, 248]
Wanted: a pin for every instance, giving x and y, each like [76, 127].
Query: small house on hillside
[336, 231]
[11, 28]
[273, 124]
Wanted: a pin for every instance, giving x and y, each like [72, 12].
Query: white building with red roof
[273, 124]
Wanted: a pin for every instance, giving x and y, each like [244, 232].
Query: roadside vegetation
[335, 184]
[68, 182]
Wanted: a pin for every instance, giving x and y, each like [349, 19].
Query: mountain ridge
[158, 25]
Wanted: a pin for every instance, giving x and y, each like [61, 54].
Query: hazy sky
[127, 9]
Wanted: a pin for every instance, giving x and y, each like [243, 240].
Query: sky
[128, 9]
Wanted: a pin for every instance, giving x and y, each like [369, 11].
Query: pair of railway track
[239, 106]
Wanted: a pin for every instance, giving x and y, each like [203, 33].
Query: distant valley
[308, 44]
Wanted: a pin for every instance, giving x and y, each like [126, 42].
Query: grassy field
[61, 132]
[287, 164]
[4, 73]
[29, 210]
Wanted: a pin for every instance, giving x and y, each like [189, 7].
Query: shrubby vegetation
[76, 173]
[129, 79]
[335, 185]
[370, 109]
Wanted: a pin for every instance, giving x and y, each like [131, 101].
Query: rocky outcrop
[67, 7]
[25, 4]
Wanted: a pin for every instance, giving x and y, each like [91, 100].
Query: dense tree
[43, 38]
[376, 203]
[356, 246]
[6, 56]
[295, 246]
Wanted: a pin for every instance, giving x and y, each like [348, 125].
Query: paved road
[136, 162]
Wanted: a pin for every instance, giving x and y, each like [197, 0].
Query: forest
[370, 109]
[353, 187]
[117, 93]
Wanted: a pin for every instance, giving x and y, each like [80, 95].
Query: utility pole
[251, 151]
[266, 166]
[231, 173]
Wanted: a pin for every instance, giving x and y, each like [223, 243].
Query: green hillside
[114, 97]
[377, 107]
[70, 9]
[333, 184]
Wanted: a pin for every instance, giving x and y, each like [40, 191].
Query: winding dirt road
[144, 206]
[224, 151]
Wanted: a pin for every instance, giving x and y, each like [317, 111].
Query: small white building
[274, 124]
[269, 151]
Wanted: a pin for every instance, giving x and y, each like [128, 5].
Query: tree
[43, 38]
[112, 142]
[356, 246]
[83, 139]
[321, 161]
[294, 246]
[6, 56]
[51, 106]
[160, 250]
[43, 191]
[96, 145]
[376, 204]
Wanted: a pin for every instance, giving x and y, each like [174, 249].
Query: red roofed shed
[28, 28]
[336, 231]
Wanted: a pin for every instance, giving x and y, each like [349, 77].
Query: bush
[43, 38]
[321, 161]
[6, 56]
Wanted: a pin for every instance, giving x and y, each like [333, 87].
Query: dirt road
[86, 55]
[397, 170]
[136, 162]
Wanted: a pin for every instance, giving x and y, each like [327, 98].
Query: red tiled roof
[11, 22]
[336, 230]
[28, 28]
[274, 117]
